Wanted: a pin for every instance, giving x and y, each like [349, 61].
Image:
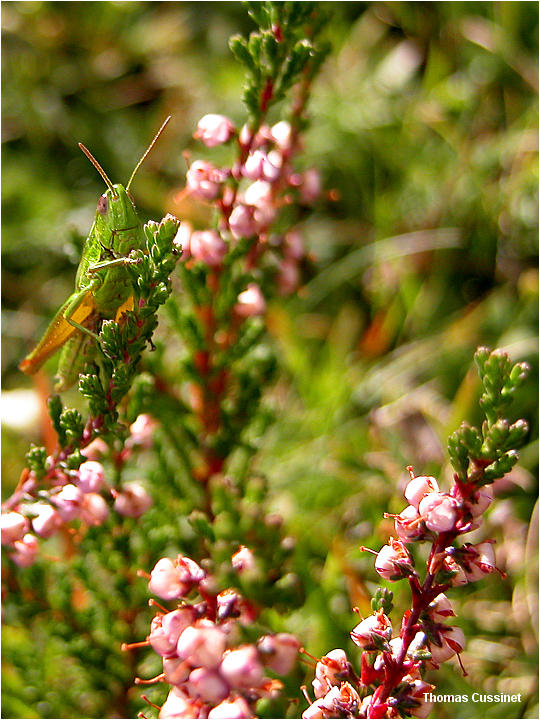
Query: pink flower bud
[94, 510]
[132, 501]
[451, 566]
[142, 431]
[69, 502]
[172, 579]
[179, 705]
[453, 642]
[91, 477]
[231, 710]
[408, 526]
[279, 652]
[281, 134]
[208, 685]
[418, 690]
[310, 189]
[242, 221]
[166, 629]
[259, 167]
[182, 238]
[14, 527]
[251, 302]
[294, 245]
[477, 560]
[393, 561]
[25, 550]
[419, 487]
[440, 609]
[204, 180]
[243, 560]
[288, 277]
[440, 511]
[377, 624]
[316, 710]
[175, 670]
[481, 500]
[242, 667]
[47, 520]
[214, 130]
[208, 246]
[202, 644]
[259, 194]
[95, 450]
[331, 669]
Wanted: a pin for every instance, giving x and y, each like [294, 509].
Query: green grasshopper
[103, 289]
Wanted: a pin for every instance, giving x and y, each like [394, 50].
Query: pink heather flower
[330, 670]
[451, 566]
[14, 527]
[208, 685]
[202, 644]
[419, 487]
[453, 642]
[407, 524]
[95, 450]
[310, 189]
[439, 511]
[294, 245]
[259, 194]
[132, 500]
[315, 711]
[480, 501]
[166, 629]
[440, 609]
[204, 180]
[279, 652]
[478, 560]
[25, 550]
[182, 238]
[377, 624]
[91, 477]
[231, 710]
[94, 510]
[172, 579]
[281, 134]
[69, 502]
[393, 561]
[47, 520]
[259, 167]
[142, 431]
[288, 277]
[214, 130]
[175, 670]
[243, 560]
[208, 246]
[418, 689]
[251, 302]
[242, 221]
[178, 705]
[242, 667]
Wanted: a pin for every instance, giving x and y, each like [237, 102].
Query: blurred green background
[424, 124]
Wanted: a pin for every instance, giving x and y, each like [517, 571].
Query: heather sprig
[395, 657]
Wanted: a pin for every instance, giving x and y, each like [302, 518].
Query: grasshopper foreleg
[113, 263]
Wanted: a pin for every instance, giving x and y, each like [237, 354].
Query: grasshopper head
[115, 212]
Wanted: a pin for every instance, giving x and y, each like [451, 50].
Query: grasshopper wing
[60, 330]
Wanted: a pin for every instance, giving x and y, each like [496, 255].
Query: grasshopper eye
[103, 205]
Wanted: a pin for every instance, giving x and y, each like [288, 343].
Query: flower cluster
[390, 683]
[42, 510]
[248, 197]
[213, 673]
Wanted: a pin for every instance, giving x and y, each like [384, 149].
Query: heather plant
[180, 541]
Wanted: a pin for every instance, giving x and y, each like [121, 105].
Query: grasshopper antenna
[161, 129]
[100, 170]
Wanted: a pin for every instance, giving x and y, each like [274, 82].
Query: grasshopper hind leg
[78, 351]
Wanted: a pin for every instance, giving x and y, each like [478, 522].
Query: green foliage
[491, 452]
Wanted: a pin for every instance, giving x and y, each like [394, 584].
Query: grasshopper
[103, 289]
